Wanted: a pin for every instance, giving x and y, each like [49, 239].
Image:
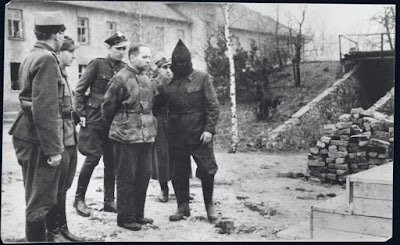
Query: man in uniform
[38, 130]
[193, 115]
[128, 105]
[93, 135]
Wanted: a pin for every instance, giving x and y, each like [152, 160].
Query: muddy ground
[251, 189]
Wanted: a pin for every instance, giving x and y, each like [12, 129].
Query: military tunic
[38, 130]
[93, 139]
[128, 106]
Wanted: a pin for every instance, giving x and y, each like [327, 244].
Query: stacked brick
[359, 141]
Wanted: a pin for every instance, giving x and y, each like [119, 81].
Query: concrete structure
[157, 24]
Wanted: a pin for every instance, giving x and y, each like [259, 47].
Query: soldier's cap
[117, 40]
[163, 62]
[49, 21]
[69, 44]
[181, 52]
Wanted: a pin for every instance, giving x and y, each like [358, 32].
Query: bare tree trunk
[277, 41]
[297, 65]
[229, 54]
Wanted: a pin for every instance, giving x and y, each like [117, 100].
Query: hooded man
[192, 119]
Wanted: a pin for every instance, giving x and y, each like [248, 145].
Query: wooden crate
[333, 220]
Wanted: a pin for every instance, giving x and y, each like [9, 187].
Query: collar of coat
[112, 61]
[43, 45]
[190, 77]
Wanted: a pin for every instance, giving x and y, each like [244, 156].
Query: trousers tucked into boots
[94, 143]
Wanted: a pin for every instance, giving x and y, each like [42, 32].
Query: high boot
[83, 182]
[35, 231]
[181, 188]
[53, 229]
[207, 184]
[164, 192]
[62, 221]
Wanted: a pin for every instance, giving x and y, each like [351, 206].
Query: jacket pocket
[193, 89]
[94, 102]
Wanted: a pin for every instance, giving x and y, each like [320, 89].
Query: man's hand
[54, 160]
[83, 122]
[206, 137]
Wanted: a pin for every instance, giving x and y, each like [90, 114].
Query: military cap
[163, 62]
[49, 18]
[69, 44]
[117, 40]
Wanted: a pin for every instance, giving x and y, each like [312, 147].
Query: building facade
[158, 24]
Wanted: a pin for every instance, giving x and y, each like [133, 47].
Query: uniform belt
[96, 96]
[185, 112]
[134, 111]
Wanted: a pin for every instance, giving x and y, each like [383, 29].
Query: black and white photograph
[156, 121]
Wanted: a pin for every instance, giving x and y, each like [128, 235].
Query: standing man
[193, 115]
[128, 106]
[70, 154]
[161, 167]
[37, 132]
[93, 135]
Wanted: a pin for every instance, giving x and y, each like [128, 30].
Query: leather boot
[164, 192]
[207, 184]
[56, 236]
[128, 224]
[53, 230]
[183, 210]
[140, 219]
[110, 206]
[81, 208]
[62, 221]
[35, 231]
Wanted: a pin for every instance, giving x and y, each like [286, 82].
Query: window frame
[80, 73]
[21, 27]
[111, 32]
[79, 27]
[18, 80]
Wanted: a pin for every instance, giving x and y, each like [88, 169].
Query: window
[15, 83]
[159, 41]
[252, 42]
[81, 70]
[15, 30]
[83, 30]
[235, 42]
[111, 28]
[180, 34]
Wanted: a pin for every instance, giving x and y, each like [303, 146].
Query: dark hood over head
[181, 60]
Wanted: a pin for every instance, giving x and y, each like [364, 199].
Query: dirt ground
[249, 189]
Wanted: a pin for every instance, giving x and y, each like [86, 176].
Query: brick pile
[359, 141]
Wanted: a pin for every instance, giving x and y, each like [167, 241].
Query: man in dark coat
[161, 167]
[128, 106]
[38, 129]
[192, 118]
[93, 135]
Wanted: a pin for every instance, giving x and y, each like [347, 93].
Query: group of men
[114, 104]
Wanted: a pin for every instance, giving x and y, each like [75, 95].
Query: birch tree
[229, 53]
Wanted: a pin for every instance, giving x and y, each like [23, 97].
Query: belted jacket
[95, 78]
[128, 106]
[40, 120]
[192, 106]
[67, 107]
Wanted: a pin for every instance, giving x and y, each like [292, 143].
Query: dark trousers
[41, 181]
[94, 143]
[180, 154]
[57, 215]
[133, 171]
